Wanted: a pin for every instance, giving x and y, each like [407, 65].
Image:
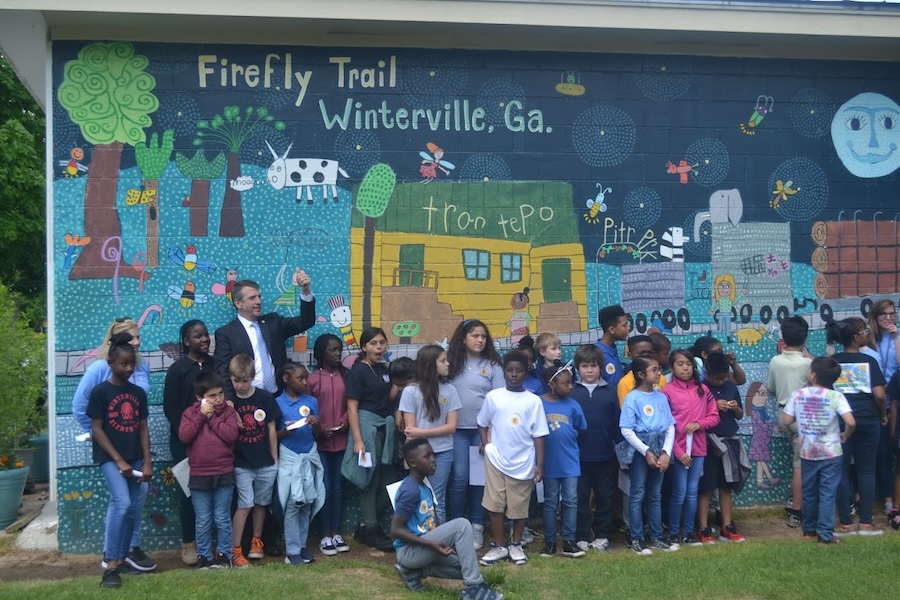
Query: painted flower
[168, 477]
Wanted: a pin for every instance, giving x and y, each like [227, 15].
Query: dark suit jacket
[232, 339]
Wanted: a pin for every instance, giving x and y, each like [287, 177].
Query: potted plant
[22, 376]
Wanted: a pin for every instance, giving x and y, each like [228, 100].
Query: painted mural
[419, 188]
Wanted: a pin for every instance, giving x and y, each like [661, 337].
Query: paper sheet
[539, 490]
[689, 443]
[296, 424]
[182, 473]
[393, 487]
[476, 467]
[365, 460]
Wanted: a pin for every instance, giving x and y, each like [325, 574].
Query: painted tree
[232, 130]
[109, 95]
[153, 160]
[372, 200]
[201, 171]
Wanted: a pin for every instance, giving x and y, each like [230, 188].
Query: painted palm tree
[201, 171]
[153, 160]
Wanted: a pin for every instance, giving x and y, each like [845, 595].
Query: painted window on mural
[510, 268]
[477, 264]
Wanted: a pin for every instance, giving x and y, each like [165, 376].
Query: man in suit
[261, 336]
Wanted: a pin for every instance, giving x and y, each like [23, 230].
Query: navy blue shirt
[415, 503]
[727, 425]
[601, 411]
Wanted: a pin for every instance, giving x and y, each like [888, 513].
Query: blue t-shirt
[646, 412]
[415, 503]
[728, 425]
[534, 385]
[300, 440]
[612, 370]
[561, 456]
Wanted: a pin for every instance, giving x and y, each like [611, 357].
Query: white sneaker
[599, 544]
[495, 555]
[478, 534]
[585, 546]
[517, 555]
[326, 546]
[339, 544]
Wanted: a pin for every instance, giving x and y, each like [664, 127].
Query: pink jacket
[687, 407]
[210, 442]
[328, 388]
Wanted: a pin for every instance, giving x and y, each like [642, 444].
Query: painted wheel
[765, 314]
[826, 313]
[684, 318]
[746, 313]
[668, 319]
[782, 314]
[865, 307]
[641, 323]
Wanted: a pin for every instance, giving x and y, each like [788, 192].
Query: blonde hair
[118, 326]
[545, 340]
[242, 368]
[726, 278]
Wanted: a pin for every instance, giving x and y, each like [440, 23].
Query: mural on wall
[421, 188]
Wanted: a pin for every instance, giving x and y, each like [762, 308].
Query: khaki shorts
[792, 433]
[503, 494]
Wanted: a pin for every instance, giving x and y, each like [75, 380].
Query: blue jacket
[601, 410]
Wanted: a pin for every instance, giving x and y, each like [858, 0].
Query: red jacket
[329, 389]
[210, 442]
[687, 407]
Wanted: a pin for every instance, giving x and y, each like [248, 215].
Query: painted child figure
[255, 457]
[425, 546]
[118, 412]
[562, 467]
[816, 409]
[209, 430]
[512, 426]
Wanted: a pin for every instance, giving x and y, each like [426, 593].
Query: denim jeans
[213, 506]
[884, 474]
[333, 510]
[185, 506]
[820, 484]
[296, 527]
[859, 450]
[460, 490]
[553, 487]
[600, 478]
[123, 514]
[685, 483]
[645, 480]
[443, 463]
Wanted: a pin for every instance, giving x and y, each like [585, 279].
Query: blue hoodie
[601, 410]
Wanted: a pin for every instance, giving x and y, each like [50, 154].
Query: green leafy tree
[109, 95]
[201, 171]
[22, 199]
[372, 199]
[153, 160]
[231, 131]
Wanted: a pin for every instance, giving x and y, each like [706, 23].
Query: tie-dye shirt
[816, 410]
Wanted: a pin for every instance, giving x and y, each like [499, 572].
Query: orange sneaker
[705, 536]
[238, 560]
[730, 534]
[256, 549]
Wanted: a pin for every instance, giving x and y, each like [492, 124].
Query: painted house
[427, 162]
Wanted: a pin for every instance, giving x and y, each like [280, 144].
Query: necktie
[268, 369]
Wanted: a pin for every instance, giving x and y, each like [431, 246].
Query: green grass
[756, 569]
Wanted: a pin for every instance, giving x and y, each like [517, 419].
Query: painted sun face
[865, 132]
[340, 317]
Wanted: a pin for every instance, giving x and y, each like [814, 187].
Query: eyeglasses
[890, 314]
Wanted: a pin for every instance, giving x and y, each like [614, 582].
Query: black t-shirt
[256, 412]
[121, 409]
[727, 425]
[859, 374]
[371, 386]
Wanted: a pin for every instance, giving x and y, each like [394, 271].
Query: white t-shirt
[816, 410]
[515, 419]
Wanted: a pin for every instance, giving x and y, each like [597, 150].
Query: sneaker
[528, 536]
[571, 550]
[412, 578]
[517, 554]
[664, 545]
[138, 559]
[293, 559]
[584, 545]
[809, 535]
[640, 548]
[257, 549]
[482, 591]
[374, 538]
[306, 556]
[204, 563]
[793, 519]
[326, 546]
[673, 540]
[730, 534]
[844, 530]
[894, 519]
[599, 544]
[221, 562]
[705, 536]
[549, 550]
[189, 554]
[478, 534]
[111, 579]
[833, 540]
[494, 555]
[238, 560]
[690, 540]
[127, 570]
[867, 530]
[339, 544]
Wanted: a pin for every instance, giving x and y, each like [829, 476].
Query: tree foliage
[153, 158]
[235, 128]
[199, 167]
[22, 198]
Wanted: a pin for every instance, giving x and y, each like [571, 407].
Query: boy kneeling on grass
[424, 546]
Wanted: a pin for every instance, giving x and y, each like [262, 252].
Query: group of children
[571, 427]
